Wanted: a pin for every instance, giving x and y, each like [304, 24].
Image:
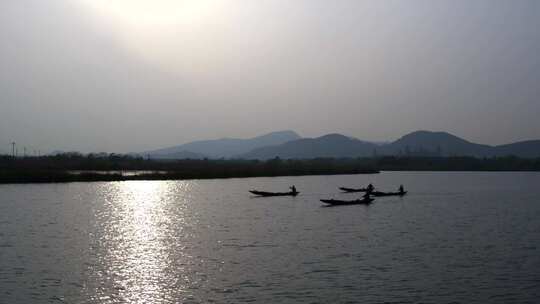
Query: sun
[174, 35]
[157, 13]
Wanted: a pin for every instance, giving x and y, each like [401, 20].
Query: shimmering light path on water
[457, 237]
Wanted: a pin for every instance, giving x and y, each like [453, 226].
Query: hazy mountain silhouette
[426, 143]
[331, 145]
[526, 149]
[419, 143]
[227, 147]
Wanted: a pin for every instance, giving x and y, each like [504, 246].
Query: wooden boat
[378, 193]
[333, 202]
[351, 190]
[264, 193]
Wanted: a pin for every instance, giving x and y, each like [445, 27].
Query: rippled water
[457, 237]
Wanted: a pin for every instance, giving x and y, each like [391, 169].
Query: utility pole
[13, 149]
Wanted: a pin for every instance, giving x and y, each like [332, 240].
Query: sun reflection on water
[140, 240]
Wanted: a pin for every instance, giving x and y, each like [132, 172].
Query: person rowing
[370, 188]
[401, 189]
[293, 189]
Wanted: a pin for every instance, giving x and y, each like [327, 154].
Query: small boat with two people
[293, 192]
[366, 199]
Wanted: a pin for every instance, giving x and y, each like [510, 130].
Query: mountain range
[288, 144]
[222, 148]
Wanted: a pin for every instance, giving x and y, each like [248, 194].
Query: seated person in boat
[293, 189]
[370, 188]
[401, 189]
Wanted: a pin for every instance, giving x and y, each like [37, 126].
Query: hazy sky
[132, 75]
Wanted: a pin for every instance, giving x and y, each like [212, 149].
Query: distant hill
[426, 143]
[526, 149]
[419, 143]
[225, 147]
[331, 145]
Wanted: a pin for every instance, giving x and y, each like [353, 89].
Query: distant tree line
[107, 167]
[94, 167]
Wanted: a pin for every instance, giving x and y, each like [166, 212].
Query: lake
[457, 237]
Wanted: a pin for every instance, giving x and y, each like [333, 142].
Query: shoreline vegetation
[75, 167]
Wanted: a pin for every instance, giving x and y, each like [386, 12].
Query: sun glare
[157, 13]
[138, 256]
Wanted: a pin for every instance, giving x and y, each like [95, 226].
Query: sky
[135, 75]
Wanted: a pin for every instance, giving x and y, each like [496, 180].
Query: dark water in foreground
[457, 237]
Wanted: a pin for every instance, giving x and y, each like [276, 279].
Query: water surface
[457, 237]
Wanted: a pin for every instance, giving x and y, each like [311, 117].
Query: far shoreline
[104, 177]
[110, 168]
